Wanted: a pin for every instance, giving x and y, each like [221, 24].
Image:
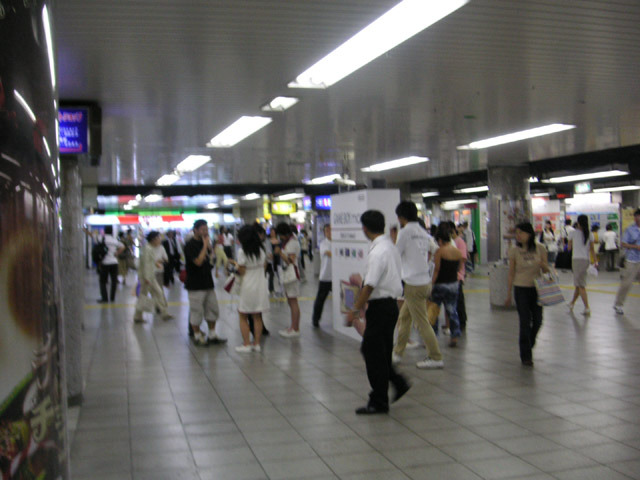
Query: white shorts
[203, 304]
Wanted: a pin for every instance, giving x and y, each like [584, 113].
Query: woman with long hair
[254, 298]
[221, 257]
[549, 240]
[289, 256]
[581, 246]
[526, 262]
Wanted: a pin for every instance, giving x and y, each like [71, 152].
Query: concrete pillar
[72, 274]
[508, 192]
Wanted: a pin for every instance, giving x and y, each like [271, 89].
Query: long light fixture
[47, 35]
[586, 176]
[290, 196]
[484, 188]
[452, 204]
[168, 179]
[238, 131]
[325, 179]
[279, 104]
[230, 201]
[401, 162]
[430, 194]
[191, 163]
[153, 198]
[26, 107]
[402, 22]
[211, 206]
[623, 188]
[517, 136]
[252, 196]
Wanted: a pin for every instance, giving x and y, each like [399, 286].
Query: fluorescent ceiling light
[290, 196]
[401, 162]
[212, 205]
[402, 22]
[534, 179]
[47, 35]
[586, 176]
[543, 194]
[134, 203]
[325, 179]
[230, 201]
[484, 188]
[168, 179]
[191, 163]
[128, 207]
[623, 188]
[25, 106]
[153, 198]
[516, 136]
[430, 194]
[251, 196]
[279, 104]
[451, 205]
[238, 131]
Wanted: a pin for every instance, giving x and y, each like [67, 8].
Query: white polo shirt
[384, 268]
[413, 246]
[325, 260]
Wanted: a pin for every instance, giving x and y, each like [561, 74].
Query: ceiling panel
[171, 74]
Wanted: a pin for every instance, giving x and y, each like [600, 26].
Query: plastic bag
[592, 270]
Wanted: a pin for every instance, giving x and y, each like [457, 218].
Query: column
[72, 274]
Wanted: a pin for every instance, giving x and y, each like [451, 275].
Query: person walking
[170, 246]
[289, 255]
[254, 296]
[108, 267]
[221, 257]
[123, 262]
[324, 284]
[413, 246]
[228, 243]
[610, 241]
[550, 242]
[148, 278]
[630, 242]
[382, 286]
[526, 262]
[448, 262]
[203, 303]
[581, 246]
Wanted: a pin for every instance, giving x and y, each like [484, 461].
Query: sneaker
[138, 320]
[411, 345]
[395, 358]
[446, 331]
[586, 312]
[288, 333]
[256, 348]
[244, 349]
[430, 364]
[618, 310]
[200, 339]
[167, 316]
[215, 339]
[570, 307]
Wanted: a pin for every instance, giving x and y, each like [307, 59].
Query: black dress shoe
[527, 363]
[371, 410]
[401, 391]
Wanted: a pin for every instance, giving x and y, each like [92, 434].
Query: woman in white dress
[254, 293]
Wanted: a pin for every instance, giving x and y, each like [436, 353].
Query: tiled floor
[156, 407]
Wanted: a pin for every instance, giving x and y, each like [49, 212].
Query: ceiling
[171, 74]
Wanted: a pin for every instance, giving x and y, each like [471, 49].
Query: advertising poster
[544, 210]
[349, 245]
[512, 212]
[32, 394]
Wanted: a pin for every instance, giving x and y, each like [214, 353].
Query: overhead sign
[306, 204]
[582, 187]
[74, 130]
[283, 208]
[323, 202]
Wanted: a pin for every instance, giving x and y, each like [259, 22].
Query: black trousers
[323, 291]
[376, 348]
[462, 308]
[530, 314]
[228, 252]
[106, 272]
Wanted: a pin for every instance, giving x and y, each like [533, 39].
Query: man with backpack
[105, 255]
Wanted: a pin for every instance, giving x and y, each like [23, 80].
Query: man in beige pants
[149, 282]
[413, 246]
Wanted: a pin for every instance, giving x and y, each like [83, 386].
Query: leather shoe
[401, 391]
[371, 410]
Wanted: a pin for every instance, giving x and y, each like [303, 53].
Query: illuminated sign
[283, 208]
[74, 130]
[306, 204]
[323, 202]
[582, 187]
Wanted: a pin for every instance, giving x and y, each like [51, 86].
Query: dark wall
[32, 398]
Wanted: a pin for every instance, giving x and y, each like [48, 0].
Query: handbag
[549, 293]
[146, 303]
[183, 275]
[232, 284]
[290, 274]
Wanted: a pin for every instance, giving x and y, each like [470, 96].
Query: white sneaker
[256, 348]
[446, 331]
[214, 339]
[395, 358]
[287, 333]
[244, 349]
[618, 310]
[200, 339]
[586, 312]
[430, 364]
[411, 345]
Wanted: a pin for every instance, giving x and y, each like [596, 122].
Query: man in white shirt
[324, 286]
[108, 268]
[382, 286]
[413, 247]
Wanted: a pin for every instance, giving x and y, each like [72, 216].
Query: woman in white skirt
[254, 293]
[581, 246]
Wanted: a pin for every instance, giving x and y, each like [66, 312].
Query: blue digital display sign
[323, 202]
[74, 130]
[306, 204]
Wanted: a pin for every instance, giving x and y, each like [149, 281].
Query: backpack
[99, 251]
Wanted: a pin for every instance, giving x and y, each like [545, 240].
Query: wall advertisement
[349, 245]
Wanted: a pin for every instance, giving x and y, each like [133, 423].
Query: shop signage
[323, 202]
[74, 130]
[306, 204]
[283, 208]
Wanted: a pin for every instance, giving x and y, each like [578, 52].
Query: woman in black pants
[526, 262]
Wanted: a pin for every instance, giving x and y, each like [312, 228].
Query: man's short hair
[465, 224]
[637, 212]
[373, 220]
[198, 223]
[407, 210]
[108, 230]
[326, 225]
[283, 229]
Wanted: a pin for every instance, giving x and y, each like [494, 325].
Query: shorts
[579, 267]
[203, 304]
[292, 290]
